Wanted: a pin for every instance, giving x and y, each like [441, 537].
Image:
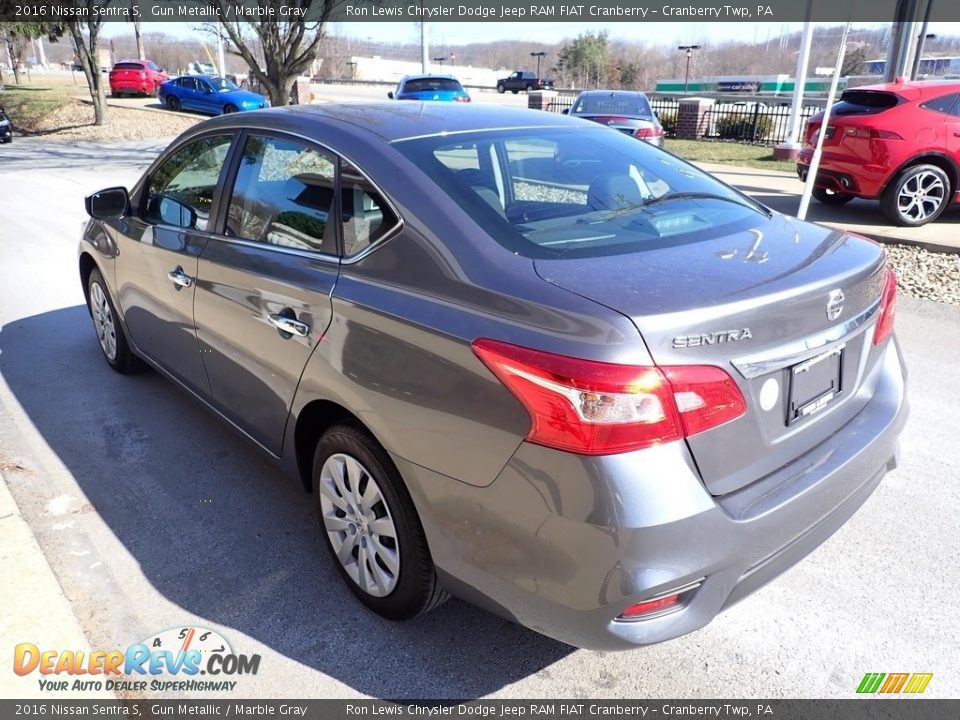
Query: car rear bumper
[844, 174]
[138, 86]
[563, 544]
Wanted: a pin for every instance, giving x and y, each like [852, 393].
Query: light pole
[689, 49]
[538, 55]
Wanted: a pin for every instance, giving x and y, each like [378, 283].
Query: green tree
[584, 61]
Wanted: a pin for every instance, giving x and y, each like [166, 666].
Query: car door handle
[179, 278]
[288, 324]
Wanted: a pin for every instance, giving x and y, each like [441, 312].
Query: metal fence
[744, 121]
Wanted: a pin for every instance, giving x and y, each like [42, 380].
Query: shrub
[741, 127]
[669, 122]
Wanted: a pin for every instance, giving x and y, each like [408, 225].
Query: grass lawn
[28, 105]
[729, 153]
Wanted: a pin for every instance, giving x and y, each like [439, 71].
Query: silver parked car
[513, 356]
[626, 111]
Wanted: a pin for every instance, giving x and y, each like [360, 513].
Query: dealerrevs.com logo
[170, 661]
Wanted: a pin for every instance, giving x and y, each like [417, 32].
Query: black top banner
[694, 11]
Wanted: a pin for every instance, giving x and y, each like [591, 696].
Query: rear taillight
[870, 133]
[888, 309]
[462, 98]
[596, 408]
[647, 133]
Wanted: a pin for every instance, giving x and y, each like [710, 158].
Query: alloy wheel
[103, 321]
[359, 524]
[921, 196]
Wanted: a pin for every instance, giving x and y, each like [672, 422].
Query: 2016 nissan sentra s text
[514, 356]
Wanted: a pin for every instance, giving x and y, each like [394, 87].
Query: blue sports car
[430, 87]
[209, 94]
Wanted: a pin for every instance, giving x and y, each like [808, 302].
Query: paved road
[153, 515]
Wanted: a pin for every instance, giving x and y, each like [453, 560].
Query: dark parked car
[6, 127]
[523, 80]
[138, 77]
[623, 110]
[896, 142]
[209, 94]
[514, 356]
[430, 87]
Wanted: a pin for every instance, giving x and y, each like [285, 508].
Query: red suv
[141, 77]
[899, 142]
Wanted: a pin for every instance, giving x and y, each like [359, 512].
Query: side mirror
[108, 204]
[565, 111]
[390, 94]
[175, 213]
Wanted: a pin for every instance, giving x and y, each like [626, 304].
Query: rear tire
[173, 103]
[918, 195]
[113, 341]
[831, 197]
[371, 527]
[528, 88]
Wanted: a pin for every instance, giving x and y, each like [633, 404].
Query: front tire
[371, 527]
[501, 89]
[113, 342]
[831, 197]
[229, 109]
[918, 195]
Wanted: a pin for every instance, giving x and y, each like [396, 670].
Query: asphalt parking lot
[151, 514]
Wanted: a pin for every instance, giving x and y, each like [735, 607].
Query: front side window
[583, 193]
[283, 195]
[181, 191]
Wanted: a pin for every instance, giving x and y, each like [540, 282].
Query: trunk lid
[754, 303]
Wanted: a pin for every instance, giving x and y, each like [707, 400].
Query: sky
[450, 35]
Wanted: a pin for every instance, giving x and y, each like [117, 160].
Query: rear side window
[283, 195]
[945, 104]
[128, 66]
[366, 216]
[865, 102]
[181, 190]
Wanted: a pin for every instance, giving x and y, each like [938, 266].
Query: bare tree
[288, 47]
[86, 39]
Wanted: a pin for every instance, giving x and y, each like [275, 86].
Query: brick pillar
[695, 118]
[300, 94]
[541, 99]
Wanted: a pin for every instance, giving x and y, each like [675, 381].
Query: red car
[899, 142]
[140, 77]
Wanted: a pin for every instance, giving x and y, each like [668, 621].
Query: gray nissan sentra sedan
[515, 357]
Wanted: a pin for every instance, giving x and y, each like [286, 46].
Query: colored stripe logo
[894, 683]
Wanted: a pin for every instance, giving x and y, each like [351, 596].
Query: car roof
[612, 93]
[401, 121]
[913, 89]
[429, 76]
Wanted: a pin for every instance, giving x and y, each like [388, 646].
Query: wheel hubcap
[359, 525]
[103, 321]
[921, 196]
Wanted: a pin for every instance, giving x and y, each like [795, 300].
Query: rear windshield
[128, 66]
[574, 193]
[865, 102]
[614, 104]
[431, 85]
